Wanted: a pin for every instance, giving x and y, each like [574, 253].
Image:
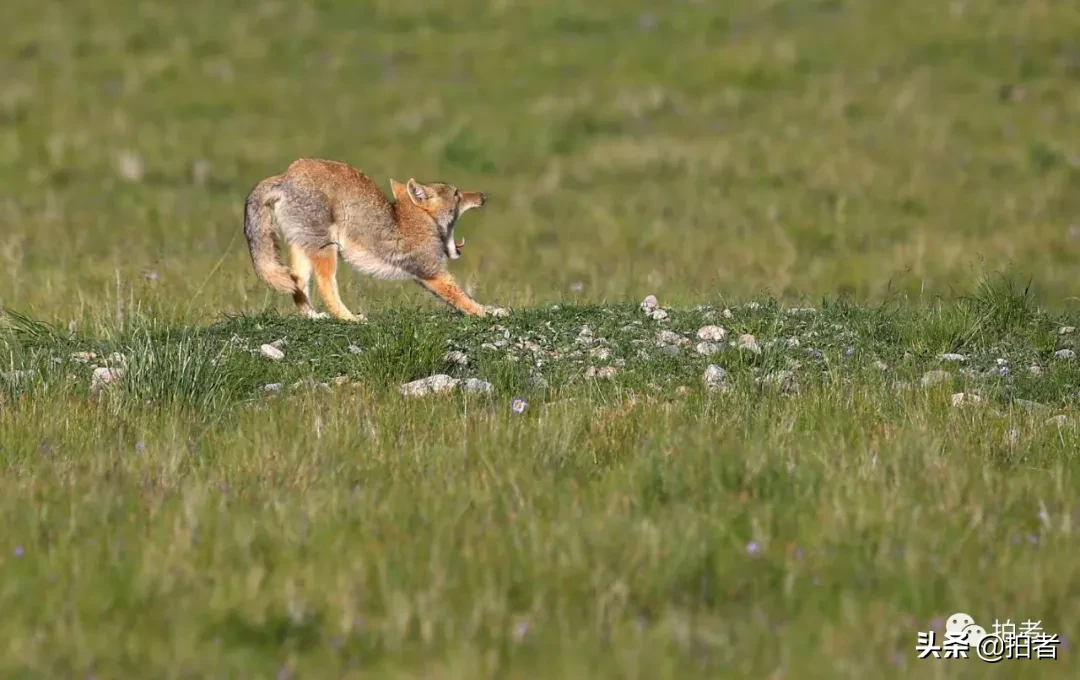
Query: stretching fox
[324, 207]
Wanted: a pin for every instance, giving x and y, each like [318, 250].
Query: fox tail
[262, 237]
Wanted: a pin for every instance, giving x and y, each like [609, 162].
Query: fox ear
[416, 191]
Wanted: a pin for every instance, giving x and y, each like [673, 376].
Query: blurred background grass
[687, 149]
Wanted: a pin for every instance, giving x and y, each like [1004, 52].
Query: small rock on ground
[477, 385]
[103, 377]
[649, 304]
[708, 348]
[953, 357]
[1066, 354]
[961, 398]
[600, 353]
[670, 338]
[749, 342]
[658, 315]
[355, 349]
[715, 378]
[604, 372]
[456, 357]
[1067, 330]
[272, 353]
[712, 333]
[436, 384]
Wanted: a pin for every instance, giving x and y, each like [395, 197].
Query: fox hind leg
[325, 262]
[300, 266]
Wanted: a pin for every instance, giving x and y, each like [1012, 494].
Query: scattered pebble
[881, 365]
[715, 378]
[604, 372]
[649, 304]
[130, 166]
[311, 384]
[272, 388]
[961, 398]
[953, 357]
[1066, 354]
[200, 171]
[1067, 330]
[439, 383]
[670, 338]
[103, 377]
[931, 378]
[712, 333]
[355, 349]
[271, 352]
[477, 385]
[708, 348]
[600, 353]
[456, 357]
[658, 315]
[749, 342]
[793, 342]
[727, 314]
[1035, 369]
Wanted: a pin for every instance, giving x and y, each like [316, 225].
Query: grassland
[864, 187]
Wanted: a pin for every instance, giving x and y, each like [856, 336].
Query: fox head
[444, 203]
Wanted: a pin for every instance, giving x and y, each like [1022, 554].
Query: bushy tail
[262, 238]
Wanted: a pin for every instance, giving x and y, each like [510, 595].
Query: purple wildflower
[1004, 371]
[19, 551]
[518, 406]
[753, 548]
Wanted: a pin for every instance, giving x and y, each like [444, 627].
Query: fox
[324, 209]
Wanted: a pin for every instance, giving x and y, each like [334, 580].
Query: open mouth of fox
[453, 248]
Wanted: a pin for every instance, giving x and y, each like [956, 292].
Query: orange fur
[326, 208]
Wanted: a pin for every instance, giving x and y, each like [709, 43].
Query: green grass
[911, 171]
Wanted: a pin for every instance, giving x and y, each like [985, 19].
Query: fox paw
[497, 311]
